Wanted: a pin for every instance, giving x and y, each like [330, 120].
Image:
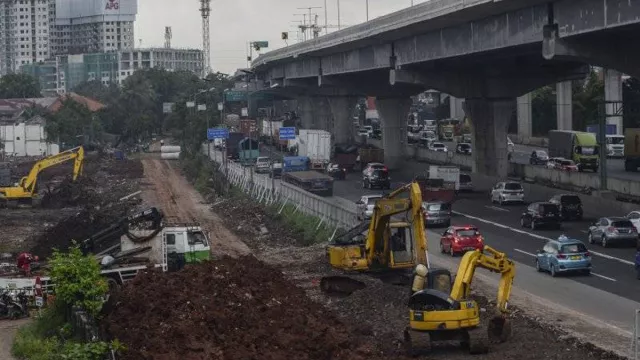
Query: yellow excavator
[26, 189]
[390, 249]
[439, 311]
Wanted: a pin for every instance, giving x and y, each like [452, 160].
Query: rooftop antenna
[167, 37]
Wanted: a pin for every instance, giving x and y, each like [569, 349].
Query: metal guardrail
[269, 191]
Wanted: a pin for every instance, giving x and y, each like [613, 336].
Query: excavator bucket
[340, 285]
[499, 329]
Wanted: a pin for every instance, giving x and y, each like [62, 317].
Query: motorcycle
[13, 307]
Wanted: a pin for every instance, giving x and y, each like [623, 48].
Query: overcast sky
[235, 22]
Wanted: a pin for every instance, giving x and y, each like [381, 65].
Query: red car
[566, 165]
[460, 239]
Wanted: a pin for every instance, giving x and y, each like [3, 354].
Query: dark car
[539, 157]
[570, 206]
[377, 178]
[336, 172]
[541, 214]
[463, 148]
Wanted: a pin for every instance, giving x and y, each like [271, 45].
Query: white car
[506, 192]
[263, 165]
[634, 217]
[510, 145]
[366, 205]
[438, 146]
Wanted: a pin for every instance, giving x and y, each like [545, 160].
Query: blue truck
[295, 171]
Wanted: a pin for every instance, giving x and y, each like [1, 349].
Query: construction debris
[232, 309]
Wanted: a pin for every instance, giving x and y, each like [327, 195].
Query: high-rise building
[32, 31]
[93, 26]
[24, 33]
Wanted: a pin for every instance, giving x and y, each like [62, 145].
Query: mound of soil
[130, 169]
[232, 309]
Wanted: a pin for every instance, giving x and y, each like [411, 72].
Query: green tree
[73, 124]
[78, 280]
[98, 91]
[16, 86]
[588, 101]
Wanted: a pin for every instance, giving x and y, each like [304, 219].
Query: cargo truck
[370, 155]
[581, 147]
[248, 151]
[615, 142]
[295, 171]
[449, 174]
[316, 145]
[631, 149]
[232, 144]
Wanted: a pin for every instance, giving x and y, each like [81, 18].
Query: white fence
[270, 191]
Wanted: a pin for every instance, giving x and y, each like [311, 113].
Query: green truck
[581, 147]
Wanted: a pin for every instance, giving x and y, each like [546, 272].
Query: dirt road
[165, 188]
[8, 331]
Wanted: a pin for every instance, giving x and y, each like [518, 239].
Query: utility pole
[326, 25]
[338, 14]
[367, 6]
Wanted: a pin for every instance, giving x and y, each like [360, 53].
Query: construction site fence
[284, 196]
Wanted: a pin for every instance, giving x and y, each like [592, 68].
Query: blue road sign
[217, 133]
[287, 133]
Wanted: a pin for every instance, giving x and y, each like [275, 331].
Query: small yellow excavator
[439, 311]
[26, 189]
[390, 249]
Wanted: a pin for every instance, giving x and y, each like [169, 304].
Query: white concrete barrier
[170, 149]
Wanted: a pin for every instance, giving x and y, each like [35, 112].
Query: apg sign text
[112, 5]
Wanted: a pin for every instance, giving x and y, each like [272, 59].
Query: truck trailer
[311, 181]
[316, 145]
[631, 149]
[581, 147]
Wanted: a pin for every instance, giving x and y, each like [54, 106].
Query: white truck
[269, 130]
[165, 246]
[450, 175]
[316, 145]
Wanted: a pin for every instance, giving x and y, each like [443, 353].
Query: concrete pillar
[393, 116]
[564, 105]
[613, 98]
[455, 107]
[524, 117]
[341, 112]
[308, 112]
[489, 125]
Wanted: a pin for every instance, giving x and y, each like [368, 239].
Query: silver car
[437, 213]
[366, 205]
[612, 230]
[506, 192]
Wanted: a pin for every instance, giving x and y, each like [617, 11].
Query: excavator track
[416, 342]
[478, 340]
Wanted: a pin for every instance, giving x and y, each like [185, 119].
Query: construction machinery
[26, 191]
[439, 311]
[390, 249]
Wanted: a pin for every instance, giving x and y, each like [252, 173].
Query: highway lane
[612, 267]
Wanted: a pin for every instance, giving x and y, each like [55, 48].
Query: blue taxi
[564, 255]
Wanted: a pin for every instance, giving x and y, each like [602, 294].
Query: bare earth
[8, 331]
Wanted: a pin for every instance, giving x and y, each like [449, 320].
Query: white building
[161, 58]
[32, 31]
[24, 33]
[26, 139]
[93, 26]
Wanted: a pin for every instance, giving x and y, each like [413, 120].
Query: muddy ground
[372, 319]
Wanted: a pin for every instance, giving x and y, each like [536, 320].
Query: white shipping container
[170, 149]
[450, 174]
[170, 156]
[316, 145]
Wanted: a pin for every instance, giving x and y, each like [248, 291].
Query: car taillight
[612, 229]
[561, 256]
[587, 254]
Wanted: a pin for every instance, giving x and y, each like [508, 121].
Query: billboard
[73, 9]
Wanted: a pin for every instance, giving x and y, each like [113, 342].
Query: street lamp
[367, 4]
[247, 73]
[195, 97]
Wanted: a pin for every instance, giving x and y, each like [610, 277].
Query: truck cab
[615, 146]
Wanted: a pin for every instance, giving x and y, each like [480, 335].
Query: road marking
[539, 236]
[525, 252]
[497, 208]
[592, 273]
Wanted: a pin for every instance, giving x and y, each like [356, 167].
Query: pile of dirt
[229, 309]
[129, 169]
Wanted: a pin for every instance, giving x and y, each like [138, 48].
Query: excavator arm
[493, 261]
[27, 185]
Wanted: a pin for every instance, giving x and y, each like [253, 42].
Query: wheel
[533, 225]
[579, 217]
[587, 272]
[604, 242]
[538, 268]
[638, 273]
[442, 249]
[558, 226]
[552, 270]
[451, 252]
[521, 222]
[364, 185]
[591, 239]
[447, 224]
[500, 200]
[416, 342]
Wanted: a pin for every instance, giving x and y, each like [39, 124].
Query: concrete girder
[613, 52]
[341, 111]
[393, 116]
[505, 85]
[489, 125]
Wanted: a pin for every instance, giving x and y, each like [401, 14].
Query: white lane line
[525, 252]
[520, 231]
[592, 273]
[497, 208]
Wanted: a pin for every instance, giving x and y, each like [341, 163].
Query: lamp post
[367, 6]
[247, 73]
[195, 98]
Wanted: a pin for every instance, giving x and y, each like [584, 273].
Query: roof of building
[11, 110]
[91, 104]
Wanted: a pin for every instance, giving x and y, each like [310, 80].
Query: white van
[615, 146]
